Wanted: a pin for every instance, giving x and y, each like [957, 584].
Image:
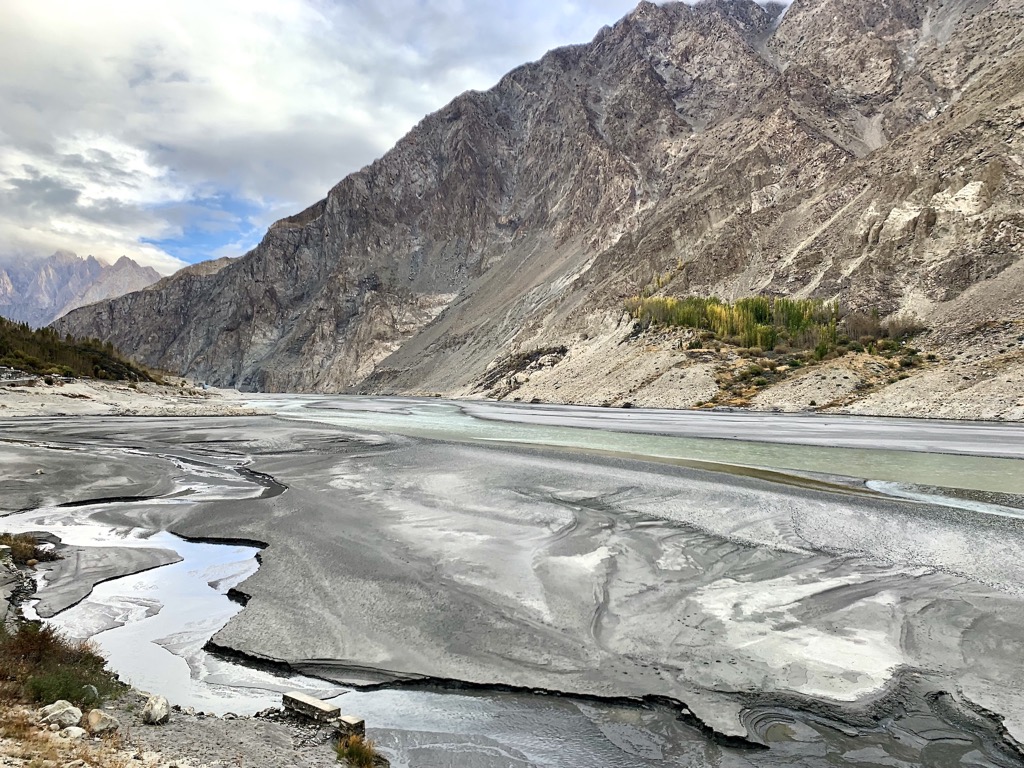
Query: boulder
[74, 733]
[49, 709]
[90, 693]
[62, 713]
[157, 711]
[101, 722]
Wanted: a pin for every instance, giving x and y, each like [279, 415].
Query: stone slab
[310, 707]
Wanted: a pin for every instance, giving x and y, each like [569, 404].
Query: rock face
[38, 292]
[870, 152]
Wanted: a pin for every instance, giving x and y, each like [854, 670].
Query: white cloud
[121, 118]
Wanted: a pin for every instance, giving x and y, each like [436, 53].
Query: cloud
[173, 132]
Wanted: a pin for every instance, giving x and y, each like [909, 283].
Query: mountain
[37, 292]
[865, 152]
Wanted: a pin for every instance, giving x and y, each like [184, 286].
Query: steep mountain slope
[38, 292]
[867, 152]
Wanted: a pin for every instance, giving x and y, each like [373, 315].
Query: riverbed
[840, 590]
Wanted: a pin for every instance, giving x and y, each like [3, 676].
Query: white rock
[101, 722]
[58, 705]
[62, 713]
[157, 711]
[74, 733]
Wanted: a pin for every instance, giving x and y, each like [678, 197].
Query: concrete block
[351, 726]
[310, 707]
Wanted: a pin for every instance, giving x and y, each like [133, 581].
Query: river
[534, 547]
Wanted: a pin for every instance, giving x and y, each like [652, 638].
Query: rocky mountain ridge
[37, 292]
[867, 153]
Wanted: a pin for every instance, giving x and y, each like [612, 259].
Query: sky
[177, 132]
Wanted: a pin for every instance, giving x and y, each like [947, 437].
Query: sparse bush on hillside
[757, 321]
[768, 323]
[902, 327]
[39, 664]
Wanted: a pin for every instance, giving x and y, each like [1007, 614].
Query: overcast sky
[175, 132]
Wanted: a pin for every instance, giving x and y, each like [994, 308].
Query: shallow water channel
[153, 625]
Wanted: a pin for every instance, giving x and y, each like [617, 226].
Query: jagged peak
[63, 257]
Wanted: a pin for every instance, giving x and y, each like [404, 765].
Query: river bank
[191, 738]
[188, 740]
[92, 397]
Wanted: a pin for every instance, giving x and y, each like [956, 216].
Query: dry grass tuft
[359, 752]
[24, 548]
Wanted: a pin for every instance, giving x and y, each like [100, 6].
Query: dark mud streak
[989, 716]
[103, 500]
[238, 596]
[413, 682]
[271, 486]
[228, 541]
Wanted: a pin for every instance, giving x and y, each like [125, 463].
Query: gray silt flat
[70, 580]
[393, 557]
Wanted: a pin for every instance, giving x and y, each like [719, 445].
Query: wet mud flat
[701, 616]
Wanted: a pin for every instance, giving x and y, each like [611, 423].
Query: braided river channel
[493, 584]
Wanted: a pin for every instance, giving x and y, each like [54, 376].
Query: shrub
[24, 547]
[42, 665]
[759, 322]
[863, 325]
[903, 327]
[359, 752]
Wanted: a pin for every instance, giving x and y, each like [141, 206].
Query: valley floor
[409, 539]
[91, 397]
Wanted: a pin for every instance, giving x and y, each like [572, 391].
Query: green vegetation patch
[39, 664]
[42, 351]
[776, 323]
[756, 321]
